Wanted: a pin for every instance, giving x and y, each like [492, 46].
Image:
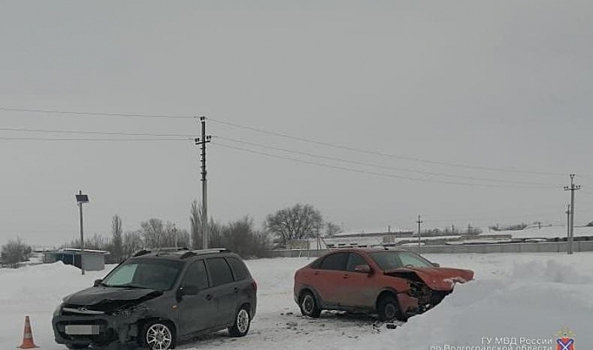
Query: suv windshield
[144, 273]
[388, 260]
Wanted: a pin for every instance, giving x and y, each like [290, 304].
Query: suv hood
[98, 295]
[437, 278]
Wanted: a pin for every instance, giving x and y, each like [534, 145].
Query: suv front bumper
[96, 329]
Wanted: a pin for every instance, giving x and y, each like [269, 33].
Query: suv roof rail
[190, 253]
[187, 255]
[141, 252]
[212, 250]
[170, 250]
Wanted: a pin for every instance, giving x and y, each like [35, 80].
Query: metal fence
[535, 247]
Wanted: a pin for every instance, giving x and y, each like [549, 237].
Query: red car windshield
[388, 260]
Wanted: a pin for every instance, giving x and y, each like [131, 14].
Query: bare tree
[132, 242]
[332, 229]
[175, 237]
[96, 242]
[116, 239]
[14, 252]
[154, 233]
[195, 218]
[298, 222]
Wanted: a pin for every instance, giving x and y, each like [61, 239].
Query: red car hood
[437, 278]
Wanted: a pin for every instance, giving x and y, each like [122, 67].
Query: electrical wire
[91, 139]
[96, 114]
[383, 166]
[92, 132]
[284, 135]
[370, 172]
[380, 153]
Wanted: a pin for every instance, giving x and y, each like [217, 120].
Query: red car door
[328, 279]
[357, 288]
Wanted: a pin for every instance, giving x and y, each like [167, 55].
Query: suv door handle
[345, 276]
[209, 297]
[236, 290]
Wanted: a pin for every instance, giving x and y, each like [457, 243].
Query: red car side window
[355, 260]
[334, 262]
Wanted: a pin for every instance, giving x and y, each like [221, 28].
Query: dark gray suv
[154, 299]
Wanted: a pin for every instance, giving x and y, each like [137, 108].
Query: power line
[83, 132]
[384, 166]
[135, 115]
[93, 139]
[96, 114]
[370, 172]
[379, 153]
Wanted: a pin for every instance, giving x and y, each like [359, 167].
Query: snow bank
[535, 300]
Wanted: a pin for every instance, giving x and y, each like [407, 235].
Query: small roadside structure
[94, 260]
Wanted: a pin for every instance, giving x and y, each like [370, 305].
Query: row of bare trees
[240, 236]
[154, 233]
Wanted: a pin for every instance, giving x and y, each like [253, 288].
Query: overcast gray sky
[464, 112]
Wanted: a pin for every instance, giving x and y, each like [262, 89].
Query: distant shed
[94, 260]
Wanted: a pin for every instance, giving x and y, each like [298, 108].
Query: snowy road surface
[525, 298]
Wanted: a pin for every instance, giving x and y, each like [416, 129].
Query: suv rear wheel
[158, 335]
[309, 306]
[242, 323]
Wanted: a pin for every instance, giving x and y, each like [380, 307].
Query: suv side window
[355, 260]
[196, 276]
[220, 272]
[239, 269]
[334, 262]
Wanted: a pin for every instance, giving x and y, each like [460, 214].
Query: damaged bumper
[408, 304]
[99, 329]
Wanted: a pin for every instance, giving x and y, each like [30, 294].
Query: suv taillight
[254, 285]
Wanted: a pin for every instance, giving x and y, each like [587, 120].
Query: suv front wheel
[158, 335]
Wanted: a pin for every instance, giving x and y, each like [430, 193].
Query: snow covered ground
[528, 296]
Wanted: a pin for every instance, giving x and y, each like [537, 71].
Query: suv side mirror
[436, 264]
[187, 290]
[97, 283]
[363, 269]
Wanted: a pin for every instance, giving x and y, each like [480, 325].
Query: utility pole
[419, 243]
[572, 188]
[202, 142]
[567, 225]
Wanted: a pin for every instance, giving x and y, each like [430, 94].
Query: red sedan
[395, 284]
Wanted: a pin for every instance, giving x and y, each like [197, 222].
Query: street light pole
[80, 199]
